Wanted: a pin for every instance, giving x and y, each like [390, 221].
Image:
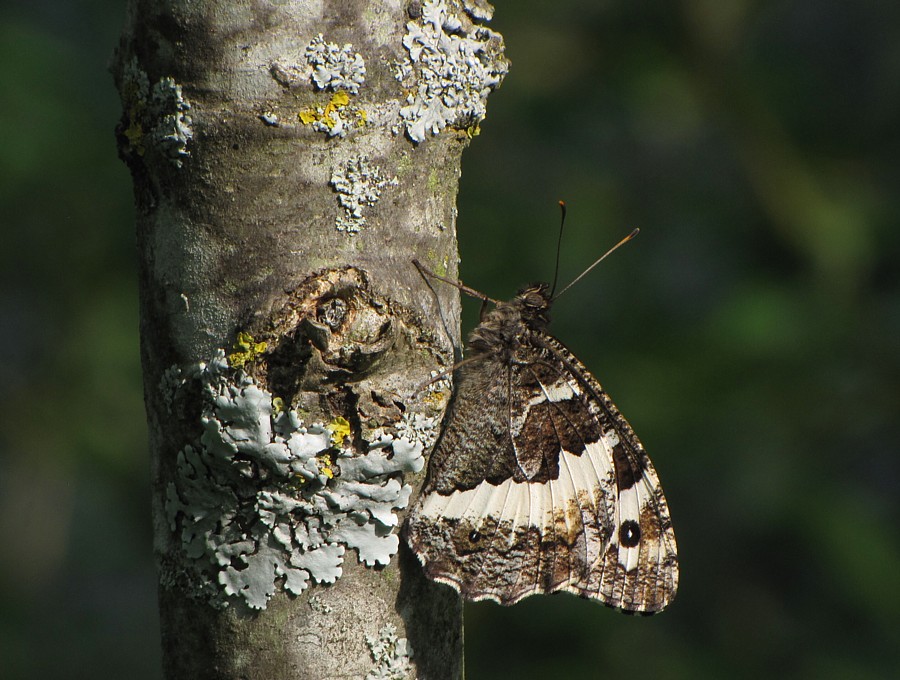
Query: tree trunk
[290, 159]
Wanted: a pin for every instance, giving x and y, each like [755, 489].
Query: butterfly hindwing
[639, 567]
[537, 484]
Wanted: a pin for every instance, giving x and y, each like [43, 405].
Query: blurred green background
[751, 333]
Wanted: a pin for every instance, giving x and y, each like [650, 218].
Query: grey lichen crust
[358, 183]
[335, 68]
[158, 116]
[390, 653]
[263, 499]
[266, 498]
[453, 65]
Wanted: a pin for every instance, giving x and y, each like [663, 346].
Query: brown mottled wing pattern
[538, 485]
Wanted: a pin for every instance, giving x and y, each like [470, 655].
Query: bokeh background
[751, 333]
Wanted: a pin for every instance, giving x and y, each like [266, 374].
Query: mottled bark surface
[231, 146]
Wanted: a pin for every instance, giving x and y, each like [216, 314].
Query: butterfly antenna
[602, 257]
[562, 222]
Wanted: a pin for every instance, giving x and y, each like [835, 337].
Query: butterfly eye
[474, 536]
[629, 533]
[535, 301]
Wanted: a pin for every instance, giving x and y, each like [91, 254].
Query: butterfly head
[533, 303]
[501, 328]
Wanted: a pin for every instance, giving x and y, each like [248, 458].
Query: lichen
[262, 500]
[169, 383]
[157, 116]
[452, 66]
[245, 349]
[479, 9]
[437, 389]
[317, 605]
[340, 430]
[334, 67]
[173, 130]
[358, 183]
[417, 427]
[270, 118]
[336, 117]
[390, 654]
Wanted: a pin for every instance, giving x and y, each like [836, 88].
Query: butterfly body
[537, 484]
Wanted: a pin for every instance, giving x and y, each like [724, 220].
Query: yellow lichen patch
[330, 115]
[434, 400]
[339, 100]
[278, 406]
[135, 136]
[245, 350]
[468, 132]
[339, 428]
[325, 464]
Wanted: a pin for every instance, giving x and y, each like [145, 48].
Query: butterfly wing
[637, 568]
[538, 484]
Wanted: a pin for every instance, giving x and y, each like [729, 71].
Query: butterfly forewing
[537, 483]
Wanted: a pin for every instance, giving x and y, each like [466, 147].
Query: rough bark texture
[241, 228]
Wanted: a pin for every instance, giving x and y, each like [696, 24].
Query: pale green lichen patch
[417, 427]
[453, 64]
[174, 130]
[158, 116]
[331, 68]
[264, 501]
[390, 653]
[334, 67]
[359, 183]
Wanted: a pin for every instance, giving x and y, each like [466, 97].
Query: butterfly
[537, 484]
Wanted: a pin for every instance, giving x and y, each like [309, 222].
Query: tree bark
[290, 160]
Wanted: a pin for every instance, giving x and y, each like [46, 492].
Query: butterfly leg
[425, 271]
